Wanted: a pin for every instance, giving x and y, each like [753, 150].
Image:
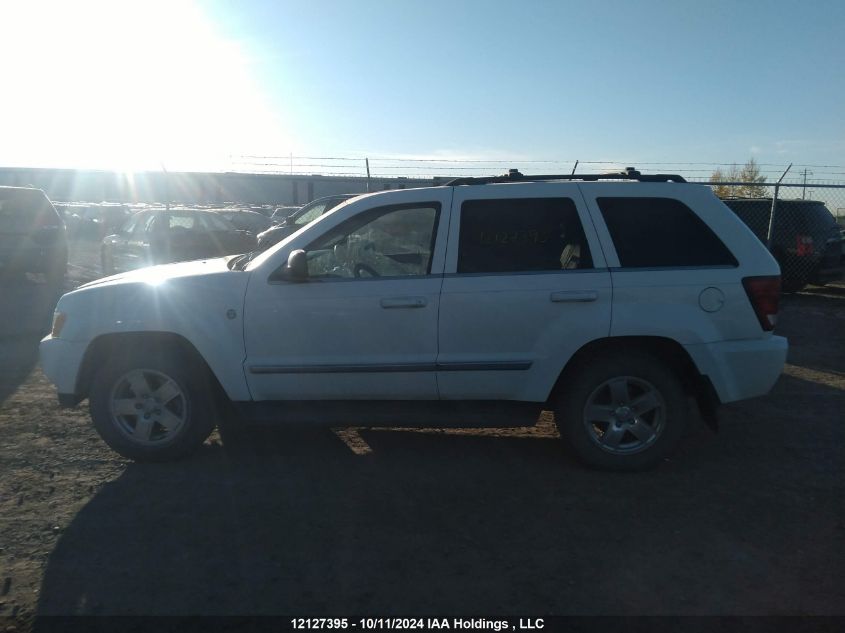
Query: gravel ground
[747, 521]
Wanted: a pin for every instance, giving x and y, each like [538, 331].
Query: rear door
[526, 286]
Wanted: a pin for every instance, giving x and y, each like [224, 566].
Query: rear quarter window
[661, 233]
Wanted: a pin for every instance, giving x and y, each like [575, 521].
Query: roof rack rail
[514, 175]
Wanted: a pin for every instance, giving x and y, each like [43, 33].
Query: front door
[364, 324]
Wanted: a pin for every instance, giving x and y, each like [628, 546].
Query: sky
[278, 85]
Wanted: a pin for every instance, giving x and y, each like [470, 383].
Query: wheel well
[666, 350]
[109, 346]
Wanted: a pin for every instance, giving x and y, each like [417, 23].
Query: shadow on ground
[743, 522]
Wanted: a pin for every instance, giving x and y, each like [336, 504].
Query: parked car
[32, 235]
[292, 223]
[250, 221]
[806, 241]
[95, 221]
[842, 241]
[162, 237]
[610, 303]
[280, 214]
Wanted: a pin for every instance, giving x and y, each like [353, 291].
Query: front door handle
[574, 296]
[391, 303]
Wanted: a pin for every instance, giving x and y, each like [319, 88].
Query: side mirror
[297, 266]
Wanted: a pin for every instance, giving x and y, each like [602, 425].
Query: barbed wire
[504, 161]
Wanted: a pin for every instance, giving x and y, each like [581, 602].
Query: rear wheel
[623, 411]
[152, 405]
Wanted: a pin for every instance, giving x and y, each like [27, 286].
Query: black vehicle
[280, 214]
[250, 221]
[95, 221]
[32, 235]
[805, 237]
[842, 241]
[300, 218]
[163, 237]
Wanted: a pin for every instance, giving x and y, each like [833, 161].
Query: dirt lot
[747, 521]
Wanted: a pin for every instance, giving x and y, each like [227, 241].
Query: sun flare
[128, 87]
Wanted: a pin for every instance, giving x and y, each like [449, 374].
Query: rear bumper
[741, 369]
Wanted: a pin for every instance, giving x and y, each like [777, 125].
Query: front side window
[384, 242]
[521, 235]
[661, 232]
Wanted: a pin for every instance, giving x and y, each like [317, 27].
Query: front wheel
[151, 405]
[623, 411]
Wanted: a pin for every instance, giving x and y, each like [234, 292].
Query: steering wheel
[360, 267]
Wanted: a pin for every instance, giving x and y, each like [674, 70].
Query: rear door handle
[392, 303]
[574, 296]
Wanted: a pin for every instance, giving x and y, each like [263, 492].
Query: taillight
[764, 295]
[803, 245]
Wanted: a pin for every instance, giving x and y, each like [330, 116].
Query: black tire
[642, 374]
[194, 405]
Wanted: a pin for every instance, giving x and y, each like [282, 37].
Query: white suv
[478, 303]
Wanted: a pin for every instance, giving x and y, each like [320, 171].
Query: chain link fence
[800, 223]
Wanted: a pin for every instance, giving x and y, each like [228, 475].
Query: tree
[749, 175]
[723, 191]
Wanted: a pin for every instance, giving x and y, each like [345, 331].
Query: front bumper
[741, 369]
[60, 361]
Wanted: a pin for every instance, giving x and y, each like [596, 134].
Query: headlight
[58, 323]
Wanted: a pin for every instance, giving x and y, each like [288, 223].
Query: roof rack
[514, 175]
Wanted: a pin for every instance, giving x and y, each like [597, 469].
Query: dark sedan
[163, 237]
[250, 221]
[300, 218]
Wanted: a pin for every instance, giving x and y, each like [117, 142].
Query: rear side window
[661, 232]
[521, 235]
